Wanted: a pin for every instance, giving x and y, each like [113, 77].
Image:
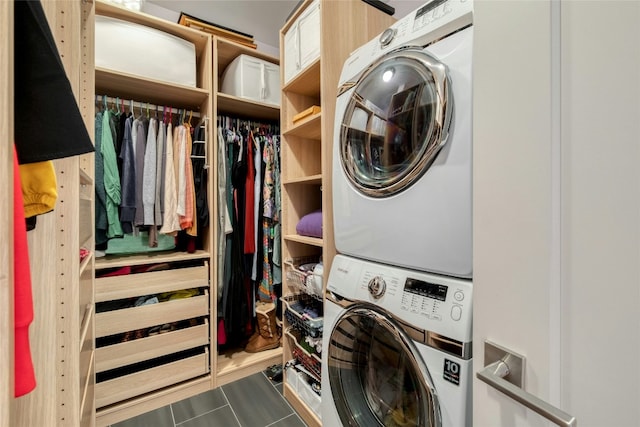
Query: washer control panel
[436, 303]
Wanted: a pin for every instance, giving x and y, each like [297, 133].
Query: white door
[557, 206]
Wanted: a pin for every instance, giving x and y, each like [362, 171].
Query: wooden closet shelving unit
[234, 364]
[138, 375]
[307, 144]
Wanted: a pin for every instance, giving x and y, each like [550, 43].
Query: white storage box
[298, 382]
[135, 49]
[252, 78]
[302, 42]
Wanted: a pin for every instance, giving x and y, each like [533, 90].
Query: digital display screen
[426, 289]
[429, 7]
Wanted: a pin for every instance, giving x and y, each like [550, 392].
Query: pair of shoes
[274, 373]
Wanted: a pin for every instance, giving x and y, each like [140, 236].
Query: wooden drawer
[126, 353]
[135, 285]
[128, 319]
[128, 386]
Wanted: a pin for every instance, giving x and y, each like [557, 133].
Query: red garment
[249, 200]
[25, 379]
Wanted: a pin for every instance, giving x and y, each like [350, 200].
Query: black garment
[200, 177]
[48, 122]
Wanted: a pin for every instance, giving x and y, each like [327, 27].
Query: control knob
[387, 36]
[377, 287]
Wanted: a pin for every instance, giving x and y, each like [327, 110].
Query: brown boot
[268, 336]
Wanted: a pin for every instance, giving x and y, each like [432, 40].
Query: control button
[377, 286]
[436, 317]
[387, 36]
[458, 295]
[456, 312]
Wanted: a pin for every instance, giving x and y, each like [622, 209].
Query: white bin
[252, 78]
[135, 49]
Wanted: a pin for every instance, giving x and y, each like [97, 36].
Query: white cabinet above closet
[302, 42]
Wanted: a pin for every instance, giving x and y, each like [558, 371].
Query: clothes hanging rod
[145, 105]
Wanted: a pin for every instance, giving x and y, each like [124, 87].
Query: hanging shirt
[170, 222]
[139, 150]
[24, 375]
[111, 178]
[128, 181]
[149, 174]
[249, 200]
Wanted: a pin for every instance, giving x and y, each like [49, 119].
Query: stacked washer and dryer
[398, 305]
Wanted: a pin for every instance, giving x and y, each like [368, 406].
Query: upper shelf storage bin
[136, 49]
[302, 42]
[252, 78]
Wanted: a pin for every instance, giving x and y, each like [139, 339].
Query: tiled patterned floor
[254, 401]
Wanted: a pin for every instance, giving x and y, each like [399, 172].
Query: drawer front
[128, 319]
[118, 389]
[155, 282]
[127, 353]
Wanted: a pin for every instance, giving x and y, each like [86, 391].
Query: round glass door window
[397, 120]
[375, 374]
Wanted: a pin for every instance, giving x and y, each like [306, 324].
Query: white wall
[173, 16]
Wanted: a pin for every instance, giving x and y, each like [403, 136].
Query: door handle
[504, 371]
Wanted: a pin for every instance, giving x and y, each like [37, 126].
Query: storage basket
[311, 362]
[296, 311]
[304, 281]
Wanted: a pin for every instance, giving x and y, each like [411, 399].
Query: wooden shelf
[313, 241]
[308, 180]
[228, 50]
[112, 261]
[140, 88]
[246, 107]
[235, 364]
[309, 128]
[307, 82]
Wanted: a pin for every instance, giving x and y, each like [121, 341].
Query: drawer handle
[499, 374]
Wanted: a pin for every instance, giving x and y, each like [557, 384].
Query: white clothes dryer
[396, 348]
[402, 156]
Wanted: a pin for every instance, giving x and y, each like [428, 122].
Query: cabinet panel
[118, 321]
[118, 389]
[122, 354]
[133, 285]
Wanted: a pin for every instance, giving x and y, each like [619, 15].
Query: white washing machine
[403, 144]
[396, 348]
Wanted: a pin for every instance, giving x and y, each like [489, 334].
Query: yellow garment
[39, 187]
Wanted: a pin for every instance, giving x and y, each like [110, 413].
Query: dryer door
[376, 375]
[396, 121]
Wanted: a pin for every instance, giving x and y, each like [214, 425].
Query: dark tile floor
[254, 401]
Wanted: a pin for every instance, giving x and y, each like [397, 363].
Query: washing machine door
[376, 375]
[396, 121]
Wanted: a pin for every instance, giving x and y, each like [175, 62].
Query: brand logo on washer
[451, 371]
